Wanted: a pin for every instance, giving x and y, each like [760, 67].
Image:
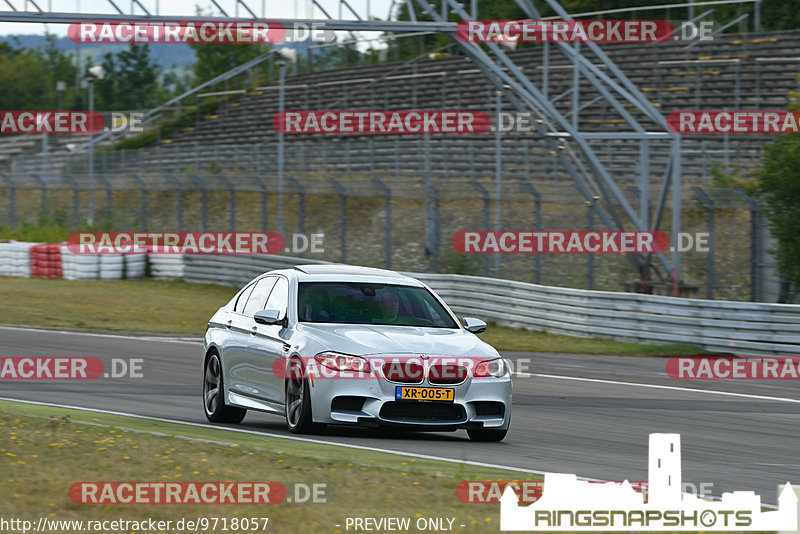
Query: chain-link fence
[389, 221]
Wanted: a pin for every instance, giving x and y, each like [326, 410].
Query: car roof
[337, 268]
[334, 272]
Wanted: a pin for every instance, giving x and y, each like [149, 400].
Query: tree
[778, 187]
[106, 89]
[28, 76]
[23, 79]
[211, 60]
[137, 78]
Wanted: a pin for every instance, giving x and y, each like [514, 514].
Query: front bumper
[371, 402]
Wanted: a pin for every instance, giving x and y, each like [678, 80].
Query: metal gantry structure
[569, 140]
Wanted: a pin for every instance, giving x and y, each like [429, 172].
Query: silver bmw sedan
[336, 344]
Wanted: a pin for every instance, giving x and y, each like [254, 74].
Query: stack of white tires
[79, 266]
[15, 258]
[166, 266]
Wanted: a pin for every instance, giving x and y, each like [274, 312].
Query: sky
[266, 9]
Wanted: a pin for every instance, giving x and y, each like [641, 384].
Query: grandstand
[736, 71]
[221, 172]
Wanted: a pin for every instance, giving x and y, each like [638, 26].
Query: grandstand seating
[733, 71]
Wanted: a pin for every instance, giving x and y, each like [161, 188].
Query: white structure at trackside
[570, 504]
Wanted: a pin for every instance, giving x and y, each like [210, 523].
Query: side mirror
[268, 317]
[476, 326]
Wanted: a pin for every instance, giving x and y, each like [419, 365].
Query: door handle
[229, 323]
[254, 330]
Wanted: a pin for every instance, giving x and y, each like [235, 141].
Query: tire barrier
[25, 260]
[46, 261]
[15, 259]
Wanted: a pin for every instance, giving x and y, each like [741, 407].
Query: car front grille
[407, 372]
[447, 374]
[423, 411]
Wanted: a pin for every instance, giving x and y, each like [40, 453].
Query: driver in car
[391, 306]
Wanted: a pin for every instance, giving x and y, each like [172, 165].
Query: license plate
[424, 394]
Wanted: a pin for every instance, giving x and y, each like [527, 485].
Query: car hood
[363, 340]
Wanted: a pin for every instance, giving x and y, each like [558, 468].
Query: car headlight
[342, 362]
[496, 368]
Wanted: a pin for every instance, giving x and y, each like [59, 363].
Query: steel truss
[571, 144]
[562, 133]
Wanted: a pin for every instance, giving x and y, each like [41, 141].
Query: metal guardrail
[741, 328]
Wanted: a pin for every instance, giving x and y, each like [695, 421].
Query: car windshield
[363, 303]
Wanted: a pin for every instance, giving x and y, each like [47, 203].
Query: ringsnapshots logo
[569, 504]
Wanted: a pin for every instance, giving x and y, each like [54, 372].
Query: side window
[279, 298]
[242, 299]
[259, 295]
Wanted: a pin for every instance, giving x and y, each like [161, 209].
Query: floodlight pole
[280, 148]
[91, 153]
[498, 162]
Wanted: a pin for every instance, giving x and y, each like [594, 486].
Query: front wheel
[214, 397]
[486, 434]
[298, 402]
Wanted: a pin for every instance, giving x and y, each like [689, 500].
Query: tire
[484, 434]
[298, 402]
[213, 394]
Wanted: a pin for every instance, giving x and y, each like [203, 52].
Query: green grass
[181, 308]
[512, 339]
[49, 231]
[44, 450]
[126, 305]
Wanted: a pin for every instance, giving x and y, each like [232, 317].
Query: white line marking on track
[674, 388]
[293, 438]
[194, 341]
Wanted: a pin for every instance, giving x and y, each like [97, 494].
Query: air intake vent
[496, 409]
[423, 411]
[347, 403]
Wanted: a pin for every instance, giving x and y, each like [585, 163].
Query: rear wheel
[213, 395]
[486, 434]
[298, 402]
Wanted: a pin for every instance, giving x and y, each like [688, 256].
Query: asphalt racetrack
[583, 414]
